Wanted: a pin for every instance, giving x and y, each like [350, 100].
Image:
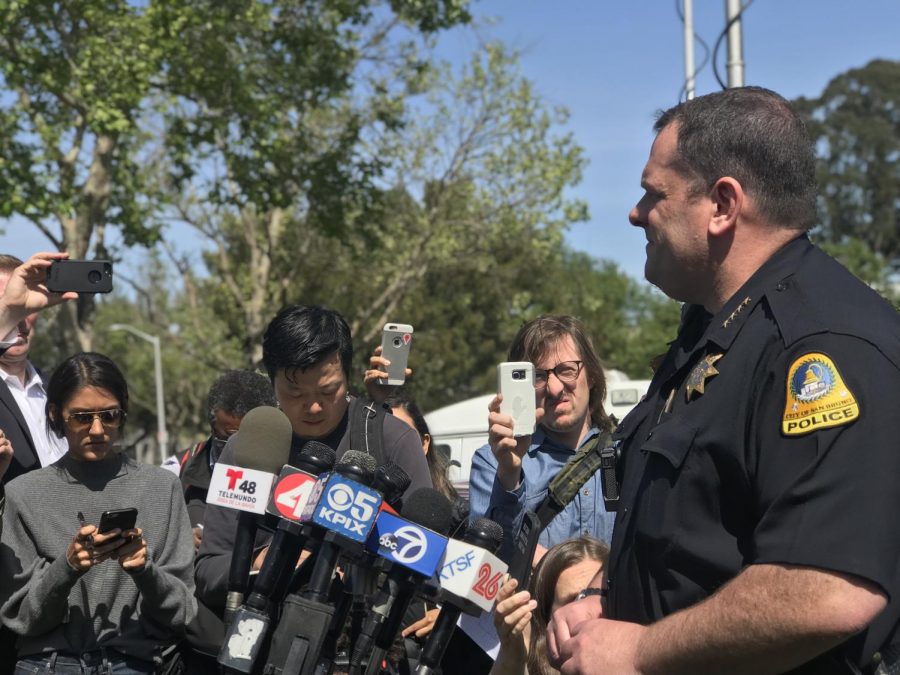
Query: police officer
[756, 529]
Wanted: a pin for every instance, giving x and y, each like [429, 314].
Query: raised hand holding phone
[511, 420]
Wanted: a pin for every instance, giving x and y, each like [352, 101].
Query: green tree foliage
[73, 78]
[856, 126]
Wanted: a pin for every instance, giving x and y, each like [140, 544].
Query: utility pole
[689, 84]
[735, 46]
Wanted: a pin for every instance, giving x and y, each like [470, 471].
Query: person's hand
[600, 646]
[423, 626]
[198, 537]
[512, 618]
[89, 548]
[26, 291]
[132, 554]
[378, 369]
[567, 617]
[506, 448]
[6, 453]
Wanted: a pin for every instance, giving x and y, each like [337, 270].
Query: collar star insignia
[733, 315]
[704, 370]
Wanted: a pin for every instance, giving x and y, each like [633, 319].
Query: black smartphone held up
[525, 543]
[81, 276]
[122, 519]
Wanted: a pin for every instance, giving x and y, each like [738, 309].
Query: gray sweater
[51, 606]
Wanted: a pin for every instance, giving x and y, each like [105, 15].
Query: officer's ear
[729, 199]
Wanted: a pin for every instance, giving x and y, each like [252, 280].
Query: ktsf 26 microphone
[247, 631]
[474, 578]
[261, 447]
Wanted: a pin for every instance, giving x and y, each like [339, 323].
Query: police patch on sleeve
[817, 397]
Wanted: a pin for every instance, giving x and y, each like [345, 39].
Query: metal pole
[162, 434]
[689, 84]
[735, 46]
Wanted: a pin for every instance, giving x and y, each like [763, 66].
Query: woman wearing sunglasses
[82, 601]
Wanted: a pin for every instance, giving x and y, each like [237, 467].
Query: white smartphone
[396, 339]
[515, 382]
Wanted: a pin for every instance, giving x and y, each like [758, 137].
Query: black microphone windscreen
[358, 458]
[485, 533]
[429, 508]
[317, 456]
[391, 481]
[263, 441]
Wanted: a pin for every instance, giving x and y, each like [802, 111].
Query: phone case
[515, 381]
[122, 519]
[396, 339]
[81, 276]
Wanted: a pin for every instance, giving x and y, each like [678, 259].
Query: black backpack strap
[577, 471]
[366, 425]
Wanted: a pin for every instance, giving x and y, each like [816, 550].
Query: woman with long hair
[81, 600]
[521, 618]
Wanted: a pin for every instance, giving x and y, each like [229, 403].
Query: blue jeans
[106, 662]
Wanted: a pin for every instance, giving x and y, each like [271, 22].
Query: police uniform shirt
[768, 435]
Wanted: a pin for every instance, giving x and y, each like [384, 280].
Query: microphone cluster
[370, 553]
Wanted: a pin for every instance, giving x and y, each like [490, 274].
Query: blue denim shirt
[586, 514]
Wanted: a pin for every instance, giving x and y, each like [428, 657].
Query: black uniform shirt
[791, 453]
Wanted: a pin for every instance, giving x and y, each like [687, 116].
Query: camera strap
[366, 425]
[577, 471]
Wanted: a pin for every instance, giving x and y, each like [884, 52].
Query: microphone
[460, 517]
[391, 481]
[261, 447]
[345, 508]
[415, 545]
[472, 574]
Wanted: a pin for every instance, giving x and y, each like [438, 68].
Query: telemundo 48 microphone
[262, 445]
[472, 574]
[247, 631]
[345, 508]
[414, 545]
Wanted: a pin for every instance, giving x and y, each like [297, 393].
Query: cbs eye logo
[340, 497]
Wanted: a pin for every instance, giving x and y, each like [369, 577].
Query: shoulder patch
[817, 397]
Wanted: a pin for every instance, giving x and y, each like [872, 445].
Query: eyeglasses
[110, 419]
[566, 372]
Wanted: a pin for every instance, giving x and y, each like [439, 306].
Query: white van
[462, 427]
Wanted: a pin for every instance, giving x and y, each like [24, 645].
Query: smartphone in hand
[81, 276]
[396, 340]
[121, 519]
[515, 382]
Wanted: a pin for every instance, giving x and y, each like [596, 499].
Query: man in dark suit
[22, 396]
[22, 295]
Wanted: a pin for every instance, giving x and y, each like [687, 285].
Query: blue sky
[614, 64]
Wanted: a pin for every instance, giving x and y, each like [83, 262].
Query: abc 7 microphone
[250, 625]
[470, 576]
[359, 571]
[261, 446]
[413, 543]
[344, 508]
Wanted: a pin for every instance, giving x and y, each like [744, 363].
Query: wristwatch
[592, 590]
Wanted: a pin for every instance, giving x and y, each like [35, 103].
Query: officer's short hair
[237, 392]
[755, 136]
[536, 337]
[301, 336]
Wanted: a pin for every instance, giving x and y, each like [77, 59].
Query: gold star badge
[704, 370]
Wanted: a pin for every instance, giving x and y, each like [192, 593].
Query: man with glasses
[511, 475]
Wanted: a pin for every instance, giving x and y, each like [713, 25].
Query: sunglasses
[110, 419]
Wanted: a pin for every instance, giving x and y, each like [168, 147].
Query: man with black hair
[754, 532]
[307, 352]
[231, 396]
